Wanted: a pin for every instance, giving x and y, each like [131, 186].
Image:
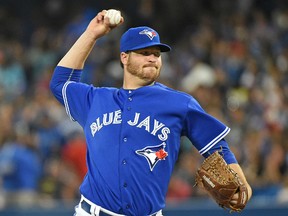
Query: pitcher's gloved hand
[222, 183]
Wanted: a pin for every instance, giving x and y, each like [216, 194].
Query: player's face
[145, 63]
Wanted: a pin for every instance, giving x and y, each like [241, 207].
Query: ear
[124, 58]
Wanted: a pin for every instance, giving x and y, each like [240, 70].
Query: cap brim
[163, 47]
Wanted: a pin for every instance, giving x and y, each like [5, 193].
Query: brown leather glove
[221, 183]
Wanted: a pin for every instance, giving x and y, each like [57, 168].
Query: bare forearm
[239, 171]
[79, 52]
[99, 26]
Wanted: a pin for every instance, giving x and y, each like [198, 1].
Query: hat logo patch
[148, 33]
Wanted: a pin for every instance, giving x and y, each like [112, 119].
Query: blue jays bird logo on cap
[153, 154]
[149, 33]
[135, 38]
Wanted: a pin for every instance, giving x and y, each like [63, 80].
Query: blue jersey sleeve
[203, 130]
[75, 96]
[223, 148]
[60, 76]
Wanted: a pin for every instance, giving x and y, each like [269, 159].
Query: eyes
[156, 53]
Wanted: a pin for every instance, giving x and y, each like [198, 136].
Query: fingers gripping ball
[221, 183]
[114, 16]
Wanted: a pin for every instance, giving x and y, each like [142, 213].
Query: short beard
[137, 71]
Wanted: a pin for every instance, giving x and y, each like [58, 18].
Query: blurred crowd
[232, 56]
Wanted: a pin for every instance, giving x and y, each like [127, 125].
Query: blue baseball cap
[141, 37]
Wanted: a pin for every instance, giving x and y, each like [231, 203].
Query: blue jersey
[133, 139]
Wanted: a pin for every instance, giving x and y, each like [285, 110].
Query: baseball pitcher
[133, 133]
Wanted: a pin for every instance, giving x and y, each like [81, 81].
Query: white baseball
[114, 16]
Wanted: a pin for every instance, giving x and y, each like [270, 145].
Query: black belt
[86, 207]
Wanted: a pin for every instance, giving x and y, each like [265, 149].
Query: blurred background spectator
[232, 56]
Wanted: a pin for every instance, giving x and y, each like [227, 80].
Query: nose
[152, 57]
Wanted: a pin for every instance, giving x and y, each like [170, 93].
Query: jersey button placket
[130, 100]
[124, 164]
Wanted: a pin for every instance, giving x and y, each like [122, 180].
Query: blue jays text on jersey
[115, 118]
[133, 139]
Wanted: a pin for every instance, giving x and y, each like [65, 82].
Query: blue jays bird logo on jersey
[149, 33]
[153, 154]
